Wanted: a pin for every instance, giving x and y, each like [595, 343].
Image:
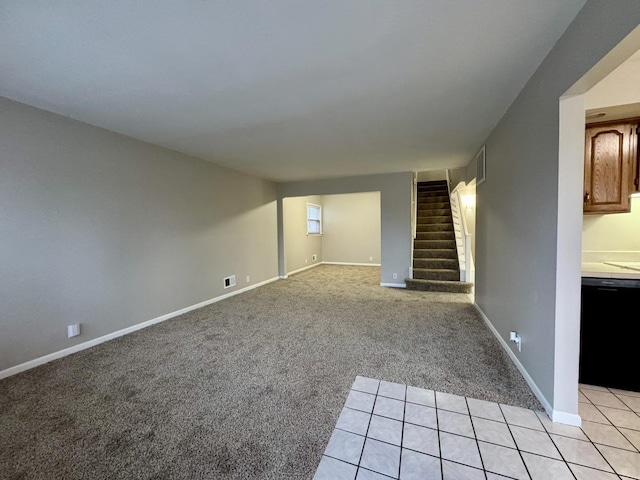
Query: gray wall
[432, 175]
[107, 231]
[518, 205]
[395, 211]
[299, 246]
[352, 228]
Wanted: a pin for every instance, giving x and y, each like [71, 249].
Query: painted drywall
[457, 175]
[432, 175]
[620, 87]
[395, 213]
[99, 229]
[528, 222]
[300, 247]
[614, 231]
[471, 171]
[352, 228]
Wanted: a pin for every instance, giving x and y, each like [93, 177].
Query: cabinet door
[636, 159]
[610, 155]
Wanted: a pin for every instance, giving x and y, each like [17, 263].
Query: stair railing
[414, 218]
[462, 236]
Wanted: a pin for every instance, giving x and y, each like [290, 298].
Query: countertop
[603, 270]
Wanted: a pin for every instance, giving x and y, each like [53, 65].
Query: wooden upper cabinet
[610, 166]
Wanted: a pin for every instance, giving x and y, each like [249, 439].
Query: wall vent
[481, 166]
[230, 281]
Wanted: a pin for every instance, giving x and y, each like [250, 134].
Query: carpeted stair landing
[435, 259]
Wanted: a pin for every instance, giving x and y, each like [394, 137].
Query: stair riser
[431, 244]
[430, 286]
[433, 212]
[435, 236]
[434, 220]
[439, 263]
[436, 205]
[435, 253]
[432, 198]
[452, 276]
[437, 194]
[434, 227]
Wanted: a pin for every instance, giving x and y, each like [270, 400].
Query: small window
[314, 219]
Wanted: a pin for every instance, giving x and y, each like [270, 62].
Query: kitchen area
[610, 255]
[611, 232]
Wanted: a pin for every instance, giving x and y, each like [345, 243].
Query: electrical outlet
[306, 261]
[314, 257]
[248, 278]
[395, 276]
[517, 339]
[371, 259]
[73, 330]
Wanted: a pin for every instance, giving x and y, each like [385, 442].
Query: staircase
[435, 258]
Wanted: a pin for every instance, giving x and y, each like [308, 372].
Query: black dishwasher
[609, 313]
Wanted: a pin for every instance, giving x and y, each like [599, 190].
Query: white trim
[284, 277]
[304, 268]
[395, 285]
[545, 403]
[566, 418]
[353, 264]
[319, 207]
[555, 415]
[110, 336]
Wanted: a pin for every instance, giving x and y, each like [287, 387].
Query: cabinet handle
[587, 197]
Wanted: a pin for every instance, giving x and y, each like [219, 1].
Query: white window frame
[318, 220]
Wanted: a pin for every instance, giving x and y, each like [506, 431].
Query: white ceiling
[283, 89]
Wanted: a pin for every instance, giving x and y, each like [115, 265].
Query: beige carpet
[250, 387]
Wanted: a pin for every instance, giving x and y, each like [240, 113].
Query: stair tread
[435, 250]
[420, 280]
[447, 286]
[420, 269]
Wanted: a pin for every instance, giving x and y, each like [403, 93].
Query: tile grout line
[404, 413]
[475, 436]
[559, 452]
[514, 440]
[435, 406]
[637, 449]
[367, 432]
[611, 424]
[594, 445]
[575, 463]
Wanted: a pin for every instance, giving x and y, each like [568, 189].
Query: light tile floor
[388, 430]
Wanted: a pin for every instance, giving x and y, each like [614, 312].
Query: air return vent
[230, 281]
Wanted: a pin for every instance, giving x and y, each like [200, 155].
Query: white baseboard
[353, 264]
[556, 416]
[395, 285]
[139, 326]
[304, 268]
[536, 391]
[566, 418]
